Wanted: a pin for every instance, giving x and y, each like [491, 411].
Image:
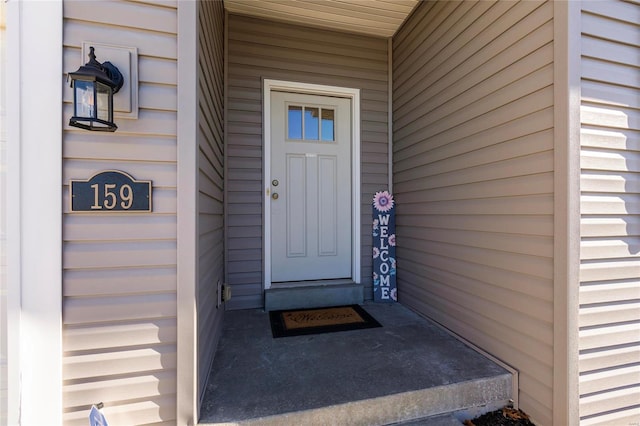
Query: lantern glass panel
[104, 100]
[85, 102]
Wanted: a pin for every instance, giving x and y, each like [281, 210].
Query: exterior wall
[119, 277]
[210, 182]
[264, 49]
[473, 179]
[610, 226]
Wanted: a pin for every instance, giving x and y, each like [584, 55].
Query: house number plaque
[110, 191]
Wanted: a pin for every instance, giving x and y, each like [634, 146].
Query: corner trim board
[566, 26]
[187, 215]
[34, 215]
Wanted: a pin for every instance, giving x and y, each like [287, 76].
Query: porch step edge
[398, 408]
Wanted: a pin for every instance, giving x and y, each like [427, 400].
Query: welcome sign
[384, 248]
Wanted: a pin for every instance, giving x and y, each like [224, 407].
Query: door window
[310, 123]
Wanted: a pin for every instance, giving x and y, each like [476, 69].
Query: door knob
[274, 195]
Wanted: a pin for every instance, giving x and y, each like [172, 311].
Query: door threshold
[312, 283]
[313, 294]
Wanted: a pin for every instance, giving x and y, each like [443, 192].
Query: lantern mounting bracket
[114, 74]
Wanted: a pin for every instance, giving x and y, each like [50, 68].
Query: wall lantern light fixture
[94, 85]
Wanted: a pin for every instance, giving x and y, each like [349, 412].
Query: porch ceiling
[380, 18]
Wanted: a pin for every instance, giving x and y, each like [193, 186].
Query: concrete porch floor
[407, 369]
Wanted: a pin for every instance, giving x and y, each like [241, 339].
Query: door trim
[311, 89]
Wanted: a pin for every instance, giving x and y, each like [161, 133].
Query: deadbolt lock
[275, 182]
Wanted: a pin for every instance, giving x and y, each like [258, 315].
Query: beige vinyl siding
[610, 221]
[264, 49]
[119, 276]
[473, 179]
[211, 183]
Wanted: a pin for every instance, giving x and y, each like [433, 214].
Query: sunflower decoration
[383, 201]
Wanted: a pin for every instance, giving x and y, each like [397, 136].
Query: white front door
[311, 190]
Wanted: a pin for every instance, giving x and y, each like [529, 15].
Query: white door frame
[311, 89]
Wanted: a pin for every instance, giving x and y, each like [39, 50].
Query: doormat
[299, 322]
